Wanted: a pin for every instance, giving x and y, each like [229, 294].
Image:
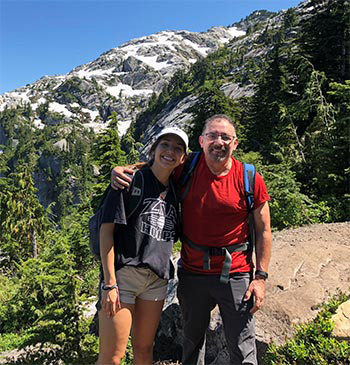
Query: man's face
[219, 140]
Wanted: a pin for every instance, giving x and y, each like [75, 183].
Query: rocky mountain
[177, 78]
[253, 51]
[121, 80]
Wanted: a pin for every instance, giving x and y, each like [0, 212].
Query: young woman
[135, 255]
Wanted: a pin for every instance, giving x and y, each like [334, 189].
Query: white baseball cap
[174, 130]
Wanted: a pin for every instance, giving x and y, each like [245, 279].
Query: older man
[216, 224]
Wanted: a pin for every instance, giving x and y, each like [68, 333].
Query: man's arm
[263, 247]
[263, 243]
[122, 175]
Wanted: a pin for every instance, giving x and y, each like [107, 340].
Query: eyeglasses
[224, 137]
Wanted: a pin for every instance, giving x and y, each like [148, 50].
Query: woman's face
[170, 151]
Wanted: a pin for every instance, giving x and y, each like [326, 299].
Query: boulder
[341, 320]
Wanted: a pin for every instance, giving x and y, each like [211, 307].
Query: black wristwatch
[262, 274]
[109, 287]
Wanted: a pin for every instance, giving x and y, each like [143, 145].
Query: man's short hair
[218, 116]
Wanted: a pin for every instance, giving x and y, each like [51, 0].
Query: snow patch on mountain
[39, 102]
[38, 123]
[92, 73]
[59, 108]
[93, 113]
[235, 32]
[124, 126]
[126, 90]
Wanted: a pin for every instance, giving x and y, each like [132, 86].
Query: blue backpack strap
[185, 180]
[249, 172]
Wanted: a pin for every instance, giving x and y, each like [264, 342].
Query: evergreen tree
[24, 221]
[199, 72]
[108, 151]
[325, 37]
[210, 101]
[290, 207]
[74, 229]
[48, 306]
[337, 166]
[132, 147]
[270, 100]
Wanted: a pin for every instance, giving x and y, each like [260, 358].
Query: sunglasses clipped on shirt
[224, 137]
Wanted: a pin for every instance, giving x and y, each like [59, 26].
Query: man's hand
[121, 177]
[257, 289]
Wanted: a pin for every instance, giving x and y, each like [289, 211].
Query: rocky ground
[308, 265]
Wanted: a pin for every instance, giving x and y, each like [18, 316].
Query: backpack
[132, 200]
[184, 183]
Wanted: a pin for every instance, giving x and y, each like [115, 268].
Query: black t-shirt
[147, 238]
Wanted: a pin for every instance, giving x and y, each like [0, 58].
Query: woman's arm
[110, 298]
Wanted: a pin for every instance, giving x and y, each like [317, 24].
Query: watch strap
[109, 287]
[263, 274]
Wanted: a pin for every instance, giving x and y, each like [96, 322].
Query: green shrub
[46, 303]
[288, 205]
[313, 343]
[11, 341]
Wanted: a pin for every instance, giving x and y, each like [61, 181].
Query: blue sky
[44, 37]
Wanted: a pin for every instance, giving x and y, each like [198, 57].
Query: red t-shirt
[214, 213]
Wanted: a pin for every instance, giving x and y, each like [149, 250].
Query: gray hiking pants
[198, 295]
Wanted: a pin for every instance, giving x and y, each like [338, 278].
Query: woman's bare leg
[145, 323]
[114, 334]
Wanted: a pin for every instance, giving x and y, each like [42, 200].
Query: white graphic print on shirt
[156, 221]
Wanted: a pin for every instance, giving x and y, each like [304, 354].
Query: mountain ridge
[122, 76]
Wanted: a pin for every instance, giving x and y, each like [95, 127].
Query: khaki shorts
[138, 282]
